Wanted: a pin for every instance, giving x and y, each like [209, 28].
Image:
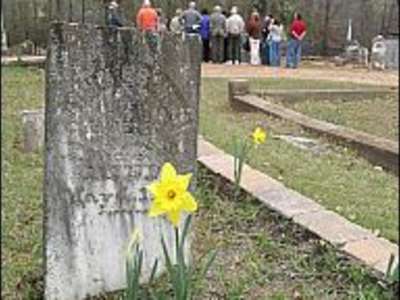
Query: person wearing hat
[113, 14]
[235, 27]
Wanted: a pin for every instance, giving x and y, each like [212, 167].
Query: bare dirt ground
[308, 70]
[313, 70]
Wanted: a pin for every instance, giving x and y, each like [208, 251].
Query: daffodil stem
[177, 244]
[239, 158]
[181, 284]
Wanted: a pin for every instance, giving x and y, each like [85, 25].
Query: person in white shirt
[275, 38]
[234, 27]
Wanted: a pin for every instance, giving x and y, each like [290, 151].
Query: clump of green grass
[377, 116]
[22, 175]
[264, 256]
[296, 84]
[340, 180]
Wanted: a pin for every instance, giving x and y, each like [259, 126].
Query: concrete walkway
[349, 238]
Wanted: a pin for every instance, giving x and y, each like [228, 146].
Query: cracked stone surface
[117, 108]
[303, 143]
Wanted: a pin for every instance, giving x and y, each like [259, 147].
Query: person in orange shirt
[147, 18]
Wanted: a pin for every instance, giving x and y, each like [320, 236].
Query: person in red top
[298, 31]
[253, 28]
[147, 18]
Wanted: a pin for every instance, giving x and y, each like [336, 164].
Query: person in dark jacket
[226, 54]
[192, 19]
[113, 17]
[265, 43]
[205, 34]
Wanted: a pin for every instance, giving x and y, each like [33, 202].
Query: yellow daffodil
[259, 135]
[171, 196]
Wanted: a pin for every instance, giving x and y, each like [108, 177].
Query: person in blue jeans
[293, 53]
[275, 38]
[298, 31]
[265, 44]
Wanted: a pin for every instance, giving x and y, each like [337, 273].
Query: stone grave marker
[392, 53]
[33, 129]
[384, 53]
[116, 110]
[378, 53]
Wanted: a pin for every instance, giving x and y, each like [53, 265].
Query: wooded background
[327, 19]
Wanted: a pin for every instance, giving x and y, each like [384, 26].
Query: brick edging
[349, 238]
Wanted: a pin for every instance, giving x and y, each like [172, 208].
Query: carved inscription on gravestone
[116, 110]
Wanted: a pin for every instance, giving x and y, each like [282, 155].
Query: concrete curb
[328, 94]
[351, 239]
[25, 61]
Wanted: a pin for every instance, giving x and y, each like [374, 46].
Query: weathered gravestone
[392, 53]
[385, 53]
[116, 110]
[378, 53]
[33, 129]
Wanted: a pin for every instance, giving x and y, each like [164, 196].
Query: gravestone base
[238, 87]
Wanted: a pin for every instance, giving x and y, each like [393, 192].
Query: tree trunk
[70, 11]
[383, 25]
[392, 10]
[325, 35]
[83, 11]
[36, 23]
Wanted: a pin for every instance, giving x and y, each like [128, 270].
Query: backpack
[217, 24]
[235, 29]
[218, 32]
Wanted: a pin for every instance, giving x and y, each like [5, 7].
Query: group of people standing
[224, 36]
